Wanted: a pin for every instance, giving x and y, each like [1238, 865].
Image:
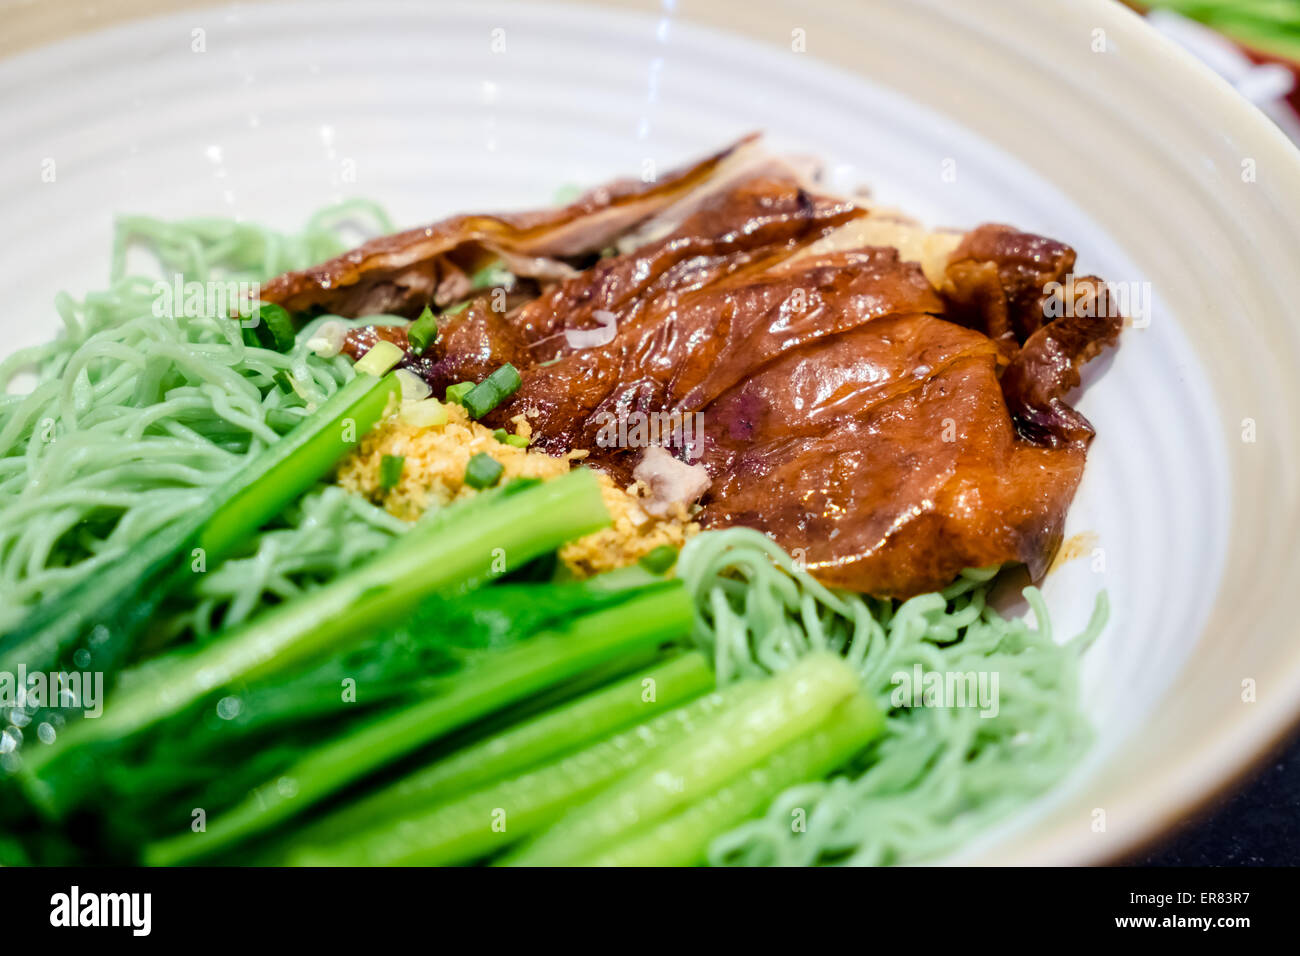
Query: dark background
[1258, 825]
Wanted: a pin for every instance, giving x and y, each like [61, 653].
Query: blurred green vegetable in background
[1266, 26]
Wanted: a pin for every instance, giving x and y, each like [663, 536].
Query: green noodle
[939, 773]
[135, 416]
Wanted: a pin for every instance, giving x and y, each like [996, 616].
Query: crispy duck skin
[997, 281]
[886, 461]
[996, 277]
[1046, 368]
[681, 304]
[401, 273]
[887, 429]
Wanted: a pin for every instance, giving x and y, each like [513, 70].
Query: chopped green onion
[490, 276]
[423, 331]
[492, 391]
[414, 388]
[328, 339]
[380, 359]
[483, 471]
[390, 470]
[426, 413]
[659, 559]
[505, 438]
[284, 381]
[457, 393]
[457, 308]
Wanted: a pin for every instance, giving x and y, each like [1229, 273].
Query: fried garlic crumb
[433, 476]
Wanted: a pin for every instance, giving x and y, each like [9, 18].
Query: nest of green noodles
[938, 774]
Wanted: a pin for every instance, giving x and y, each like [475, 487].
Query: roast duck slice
[887, 428]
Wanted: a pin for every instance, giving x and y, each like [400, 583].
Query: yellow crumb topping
[632, 535]
[433, 475]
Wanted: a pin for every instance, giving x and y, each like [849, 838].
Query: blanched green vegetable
[683, 839]
[526, 744]
[494, 817]
[215, 752]
[273, 330]
[423, 331]
[1271, 26]
[496, 679]
[461, 546]
[779, 711]
[95, 624]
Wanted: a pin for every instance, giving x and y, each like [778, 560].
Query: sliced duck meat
[470, 345]
[683, 351]
[748, 162]
[748, 228]
[997, 278]
[885, 460]
[890, 405]
[401, 273]
[1046, 367]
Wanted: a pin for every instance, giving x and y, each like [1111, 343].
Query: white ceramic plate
[1069, 119]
